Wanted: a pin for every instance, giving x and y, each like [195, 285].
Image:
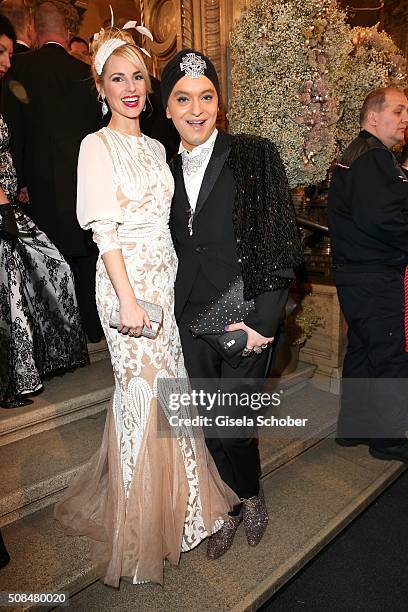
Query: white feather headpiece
[108, 47]
[105, 51]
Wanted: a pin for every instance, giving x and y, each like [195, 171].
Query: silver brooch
[193, 65]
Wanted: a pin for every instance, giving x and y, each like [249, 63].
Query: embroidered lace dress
[40, 327]
[145, 497]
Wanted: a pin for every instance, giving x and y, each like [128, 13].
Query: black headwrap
[187, 62]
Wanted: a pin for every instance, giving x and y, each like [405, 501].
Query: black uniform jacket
[368, 208]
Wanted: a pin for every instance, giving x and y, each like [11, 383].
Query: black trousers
[374, 401]
[236, 456]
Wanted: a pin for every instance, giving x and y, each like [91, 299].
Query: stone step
[85, 392]
[295, 380]
[35, 479]
[279, 445]
[67, 398]
[98, 351]
[41, 466]
[310, 500]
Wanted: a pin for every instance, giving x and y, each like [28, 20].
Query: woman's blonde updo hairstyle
[130, 51]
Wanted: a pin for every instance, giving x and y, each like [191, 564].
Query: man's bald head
[385, 115]
[50, 24]
[375, 101]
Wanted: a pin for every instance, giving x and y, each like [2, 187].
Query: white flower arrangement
[299, 76]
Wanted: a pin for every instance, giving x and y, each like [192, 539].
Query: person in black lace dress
[40, 328]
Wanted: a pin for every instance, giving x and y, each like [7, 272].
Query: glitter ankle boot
[221, 541]
[255, 518]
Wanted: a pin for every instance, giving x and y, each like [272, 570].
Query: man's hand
[255, 342]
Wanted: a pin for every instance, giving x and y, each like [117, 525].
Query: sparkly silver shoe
[255, 518]
[221, 541]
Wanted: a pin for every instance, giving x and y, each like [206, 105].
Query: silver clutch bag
[155, 312]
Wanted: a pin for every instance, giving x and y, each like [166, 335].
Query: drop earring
[105, 108]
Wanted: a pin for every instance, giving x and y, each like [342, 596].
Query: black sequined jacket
[243, 224]
[265, 229]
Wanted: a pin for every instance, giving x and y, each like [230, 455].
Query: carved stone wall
[327, 346]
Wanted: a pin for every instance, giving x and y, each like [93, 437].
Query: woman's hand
[132, 318]
[256, 343]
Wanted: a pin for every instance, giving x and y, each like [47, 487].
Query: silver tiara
[193, 65]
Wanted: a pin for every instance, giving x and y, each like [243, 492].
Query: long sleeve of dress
[98, 207]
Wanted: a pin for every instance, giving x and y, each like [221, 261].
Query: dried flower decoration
[263, 32]
[299, 77]
[375, 61]
[287, 63]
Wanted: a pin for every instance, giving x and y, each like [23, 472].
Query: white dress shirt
[194, 172]
[23, 43]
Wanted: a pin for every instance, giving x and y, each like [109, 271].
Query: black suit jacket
[21, 48]
[209, 256]
[50, 104]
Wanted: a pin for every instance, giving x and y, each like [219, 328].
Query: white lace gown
[144, 497]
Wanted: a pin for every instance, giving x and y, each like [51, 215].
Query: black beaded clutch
[229, 307]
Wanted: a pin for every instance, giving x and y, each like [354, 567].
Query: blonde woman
[145, 497]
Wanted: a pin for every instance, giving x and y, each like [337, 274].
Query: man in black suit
[368, 220]
[23, 24]
[232, 219]
[50, 105]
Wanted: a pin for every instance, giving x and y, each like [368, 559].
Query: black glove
[8, 227]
